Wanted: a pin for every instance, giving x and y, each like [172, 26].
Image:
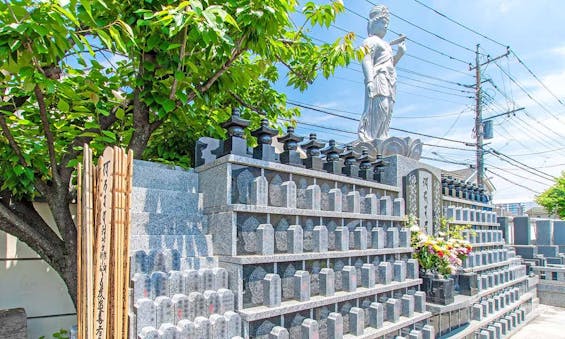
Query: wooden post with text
[103, 218]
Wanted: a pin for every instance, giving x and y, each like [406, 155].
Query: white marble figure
[380, 76]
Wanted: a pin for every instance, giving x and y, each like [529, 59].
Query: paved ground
[548, 325]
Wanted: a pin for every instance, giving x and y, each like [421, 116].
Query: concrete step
[153, 175]
[163, 201]
[144, 223]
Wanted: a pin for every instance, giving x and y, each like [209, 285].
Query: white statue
[380, 76]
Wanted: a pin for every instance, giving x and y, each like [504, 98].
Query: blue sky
[431, 99]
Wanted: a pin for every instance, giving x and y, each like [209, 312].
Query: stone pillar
[353, 202]
[258, 192]
[342, 238]
[392, 239]
[335, 325]
[378, 238]
[371, 204]
[420, 301]
[393, 309]
[265, 239]
[356, 321]
[320, 236]
[360, 238]
[349, 277]
[302, 285]
[295, 239]
[385, 205]
[272, 290]
[399, 271]
[398, 207]
[385, 273]
[334, 196]
[313, 197]
[288, 194]
[407, 304]
[368, 275]
[404, 237]
[376, 315]
[412, 269]
[310, 329]
[327, 282]
[279, 333]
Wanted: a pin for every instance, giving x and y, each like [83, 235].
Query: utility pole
[479, 120]
[479, 133]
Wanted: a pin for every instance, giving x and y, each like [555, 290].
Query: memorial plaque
[423, 198]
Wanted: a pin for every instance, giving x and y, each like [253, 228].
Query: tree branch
[206, 86]
[48, 133]
[13, 144]
[244, 103]
[181, 58]
[22, 221]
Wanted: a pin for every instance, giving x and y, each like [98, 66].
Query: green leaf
[63, 105]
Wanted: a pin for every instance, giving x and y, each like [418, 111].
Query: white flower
[415, 228]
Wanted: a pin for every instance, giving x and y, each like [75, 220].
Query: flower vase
[438, 290]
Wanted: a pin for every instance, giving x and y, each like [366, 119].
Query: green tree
[553, 199]
[149, 75]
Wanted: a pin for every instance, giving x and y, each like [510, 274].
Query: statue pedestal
[408, 147]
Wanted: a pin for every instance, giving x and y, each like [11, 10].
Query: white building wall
[30, 283]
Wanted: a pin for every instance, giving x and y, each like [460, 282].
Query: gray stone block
[378, 238]
[335, 325]
[342, 238]
[477, 312]
[310, 329]
[302, 285]
[353, 202]
[349, 278]
[327, 282]
[393, 310]
[404, 237]
[399, 270]
[428, 332]
[398, 207]
[368, 278]
[218, 326]
[415, 334]
[288, 194]
[265, 239]
[226, 301]
[258, 191]
[559, 233]
[376, 315]
[295, 239]
[272, 290]
[279, 332]
[407, 302]
[360, 238]
[202, 327]
[412, 269]
[320, 237]
[164, 311]
[522, 231]
[356, 321]
[334, 197]
[372, 204]
[186, 329]
[313, 197]
[149, 333]
[384, 272]
[420, 301]
[544, 232]
[233, 324]
[392, 237]
[385, 205]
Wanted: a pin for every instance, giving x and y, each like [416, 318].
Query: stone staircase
[177, 288]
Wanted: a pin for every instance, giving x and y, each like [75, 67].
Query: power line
[536, 77]
[512, 182]
[524, 166]
[432, 33]
[460, 24]
[516, 174]
[438, 85]
[448, 161]
[392, 128]
[435, 64]
[526, 92]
